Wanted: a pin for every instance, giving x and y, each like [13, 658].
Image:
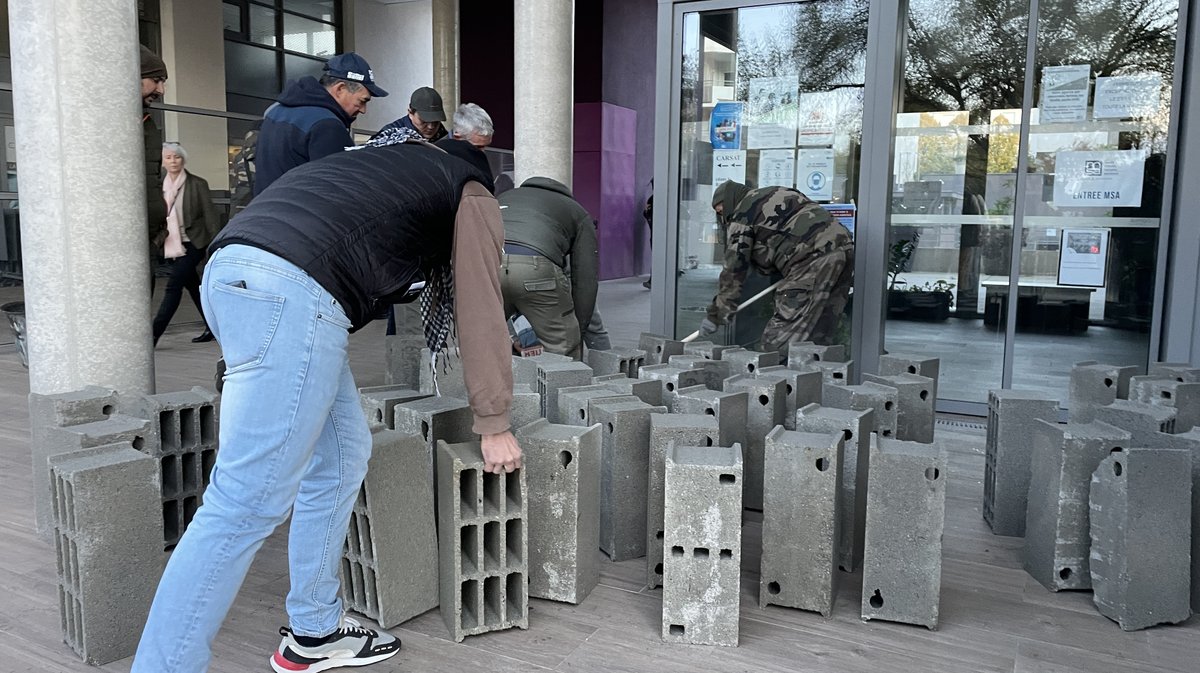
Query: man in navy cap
[311, 119]
[425, 116]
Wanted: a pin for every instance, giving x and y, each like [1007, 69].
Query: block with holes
[403, 353]
[1165, 391]
[1057, 541]
[1183, 372]
[1093, 385]
[562, 469]
[1142, 421]
[882, 399]
[379, 403]
[649, 391]
[665, 430]
[801, 352]
[1141, 501]
[800, 528]
[702, 545]
[706, 349]
[802, 389]
[673, 379]
[856, 428]
[617, 361]
[915, 396]
[715, 371]
[766, 401]
[482, 517]
[658, 347]
[108, 533]
[832, 373]
[575, 402]
[728, 408]
[1012, 415]
[748, 362]
[906, 514]
[911, 363]
[432, 419]
[389, 563]
[88, 405]
[526, 407]
[525, 370]
[624, 469]
[556, 375]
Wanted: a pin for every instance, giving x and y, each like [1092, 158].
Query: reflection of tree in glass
[824, 43]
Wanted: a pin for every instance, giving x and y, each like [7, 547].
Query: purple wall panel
[605, 164]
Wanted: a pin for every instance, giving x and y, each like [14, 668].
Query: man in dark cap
[154, 78]
[780, 230]
[311, 119]
[425, 116]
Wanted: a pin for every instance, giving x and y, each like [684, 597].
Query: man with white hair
[473, 124]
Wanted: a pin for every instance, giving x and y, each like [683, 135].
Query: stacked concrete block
[707, 349]
[728, 408]
[909, 363]
[715, 371]
[1057, 535]
[673, 380]
[832, 373]
[389, 563]
[525, 370]
[562, 466]
[1190, 442]
[802, 389]
[404, 360]
[1012, 414]
[906, 514]
[802, 352]
[703, 545]
[575, 403]
[1094, 385]
[1180, 371]
[1141, 501]
[800, 531]
[766, 401]
[749, 362]
[667, 430]
[649, 391]
[624, 471]
[659, 348]
[1142, 421]
[855, 428]
[1164, 391]
[482, 544]
[526, 407]
[108, 533]
[446, 379]
[434, 419]
[882, 399]
[914, 404]
[617, 361]
[379, 403]
[555, 375]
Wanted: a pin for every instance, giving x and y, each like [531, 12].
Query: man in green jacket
[544, 229]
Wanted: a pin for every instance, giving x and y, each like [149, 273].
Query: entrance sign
[725, 127]
[814, 174]
[1083, 257]
[1064, 93]
[1127, 96]
[1099, 179]
[776, 168]
[728, 165]
[771, 112]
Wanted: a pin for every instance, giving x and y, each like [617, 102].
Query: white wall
[397, 40]
[193, 39]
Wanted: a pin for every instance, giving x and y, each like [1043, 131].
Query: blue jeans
[293, 438]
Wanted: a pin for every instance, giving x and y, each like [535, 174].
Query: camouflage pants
[810, 300]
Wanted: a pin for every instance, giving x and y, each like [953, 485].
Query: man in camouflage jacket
[780, 230]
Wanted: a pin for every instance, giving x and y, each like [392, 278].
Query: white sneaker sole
[333, 663]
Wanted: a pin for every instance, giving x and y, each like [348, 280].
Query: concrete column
[543, 91]
[76, 77]
[445, 55]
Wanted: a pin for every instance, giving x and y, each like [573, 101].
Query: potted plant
[929, 301]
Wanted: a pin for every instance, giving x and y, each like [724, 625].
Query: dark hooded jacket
[406, 123]
[305, 124]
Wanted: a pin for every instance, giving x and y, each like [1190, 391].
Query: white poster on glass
[1098, 179]
[777, 168]
[728, 165]
[814, 174]
[1127, 96]
[1064, 93]
[771, 112]
[1082, 257]
[816, 116]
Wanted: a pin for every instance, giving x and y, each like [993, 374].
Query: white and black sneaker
[351, 645]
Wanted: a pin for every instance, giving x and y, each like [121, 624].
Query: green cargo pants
[538, 289]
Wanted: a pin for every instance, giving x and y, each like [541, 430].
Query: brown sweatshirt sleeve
[483, 341]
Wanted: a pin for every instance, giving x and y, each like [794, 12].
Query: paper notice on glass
[728, 165]
[771, 112]
[725, 126]
[777, 168]
[1098, 179]
[1127, 96]
[1064, 93]
[814, 174]
[1082, 257]
[816, 116]
[845, 213]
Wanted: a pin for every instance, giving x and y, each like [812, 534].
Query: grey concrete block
[665, 430]
[911, 363]
[555, 375]
[800, 529]
[617, 361]
[525, 370]
[624, 471]
[1008, 449]
[673, 380]
[389, 563]
[749, 362]
[802, 389]
[574, 403]
[801, 352]
[707, 349]
[1183, 372]
[379, 404]
[1141, 501]
[833, 373]
[649, 391]
[659, 348]
[882, 399]
[1168, 392]
[728, 408]
[435, 419]
[906, 514]
[914, 404]
[482, 544]
[856, 428]
[1094, 385]
[702, 545]
[108, 537]
[562, 468]
[766, 401]
[449, 374]
[715, 371]
[1057, 536]
[403, 352]
[526, 408]
[1142, 421]
[1190, 441]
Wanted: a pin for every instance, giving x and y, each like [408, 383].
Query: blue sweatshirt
[304, 124]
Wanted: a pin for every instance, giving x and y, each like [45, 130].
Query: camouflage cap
[729, 193]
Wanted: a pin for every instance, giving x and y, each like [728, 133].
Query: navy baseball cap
[354, 68]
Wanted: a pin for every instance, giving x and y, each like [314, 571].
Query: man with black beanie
[154, 77]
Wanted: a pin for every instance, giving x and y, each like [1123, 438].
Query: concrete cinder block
[526, 407]
[404, 360]
[449, 372]
[673, 380]
[1183, 372]
[624, 471]
[379, 404]
[766, 401]
[906, 514]
[856, 428]
[1008, 449]
[707, 349]
[482, 544]
[649, 391]
[715, 371]
[434, 419]
[562, 466]
[1141, 502]
[555, 375]
[1057, 536]
[728, 408]
[665, 430]
[1142, 421]
[801, 352]
[800, 529]
[1190, 441]
[617, 361]
[882, 399]
[914, 404]
[1095, 385]
[1168, 392]
[574, 403]
[389, 565]
[108, 533]
[749, 362]
[833, 373]
[702, 545]
[801, 388]
[659, 348]
[525, 370]
[891, 364]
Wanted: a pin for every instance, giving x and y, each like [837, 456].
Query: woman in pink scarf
[192, 222]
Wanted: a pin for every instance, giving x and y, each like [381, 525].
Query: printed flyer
[1098, 179]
